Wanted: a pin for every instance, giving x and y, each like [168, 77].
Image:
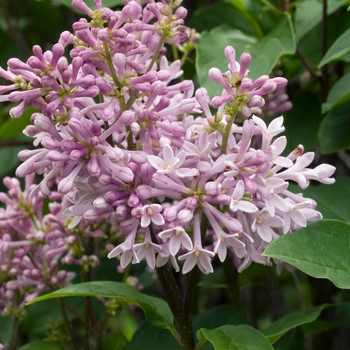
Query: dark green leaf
[339, 48]
[302, 121]
[242, 7]
[321, 250]
[339, 93]
[320, 326]
[114, 341]
[15, 126]
[6, 325]
[293, 342]
[150, 337]
[280, 327]
[220, 13]
[156, 310]
[240, 337]
[279, 42]
[308, 14]
[335, 129]
[9, 160]
[42, 345]
[219, 316]
[328, 198]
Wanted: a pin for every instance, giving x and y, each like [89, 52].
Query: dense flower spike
[124, 144]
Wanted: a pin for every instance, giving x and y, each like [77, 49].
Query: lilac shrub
[123, 141]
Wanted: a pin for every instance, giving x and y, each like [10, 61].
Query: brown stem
[307, 64]
[14, 143]
[284, 5]
[175, 301]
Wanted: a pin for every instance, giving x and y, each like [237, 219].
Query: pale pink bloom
[151, 213]
[236, 200]
[200, 257]
[264, 223]
[171, 164]
[177, 237]
[147, 250]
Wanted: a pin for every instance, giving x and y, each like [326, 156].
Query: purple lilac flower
[124, 143]
[32, 245]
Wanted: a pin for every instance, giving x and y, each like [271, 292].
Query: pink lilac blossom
[125, 143]
[32, 245]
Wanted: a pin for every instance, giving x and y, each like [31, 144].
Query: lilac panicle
[122, 142]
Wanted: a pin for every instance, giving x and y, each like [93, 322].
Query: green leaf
[6, 326]
[114, 341]
[321, 250]
[339, 93]
[279, 42]
[265, 53]
[150, 337]
[295, 341]
[327, 198]
[8, 159]
[219, 315]
[42, 345]
[319, 326]
[308, 14]
[240, 337]
[15, 126]
[339, 48]
[219, 13]
[156, 310]
[280, 327]
[241, 6]
[210, 53]
[335, 129]
[302, 122]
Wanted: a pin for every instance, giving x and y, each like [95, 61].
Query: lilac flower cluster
[33, 245]
[124, 141]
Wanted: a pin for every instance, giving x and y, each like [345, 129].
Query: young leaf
[280, 327]
[240, 337]
[156, 310]
[321, 250]
[335, 129]
[339, 48]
